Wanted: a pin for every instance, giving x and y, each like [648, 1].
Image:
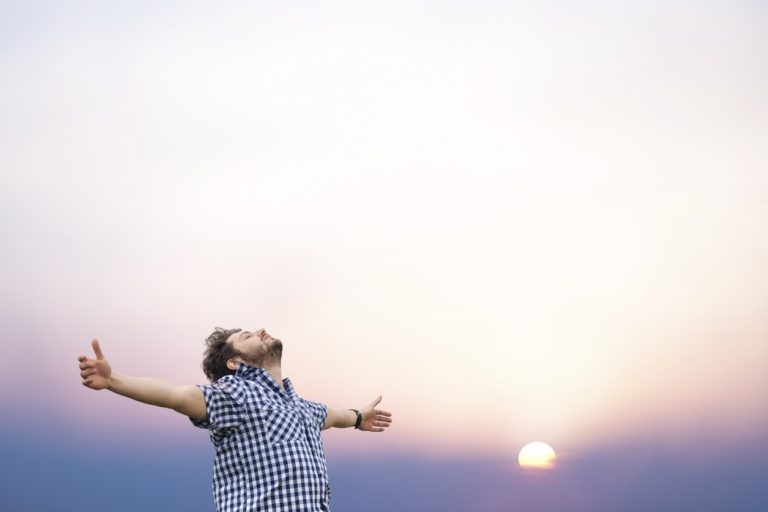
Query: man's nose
[261, 332]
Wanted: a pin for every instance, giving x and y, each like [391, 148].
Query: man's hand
[96, 373]
[375, 420]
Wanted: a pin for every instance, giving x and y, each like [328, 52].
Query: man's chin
[277, 350]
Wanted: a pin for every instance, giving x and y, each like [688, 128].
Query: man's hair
[217, 352]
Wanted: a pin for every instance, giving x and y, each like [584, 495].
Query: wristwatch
[359, 418]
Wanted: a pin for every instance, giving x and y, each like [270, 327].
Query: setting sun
[537, 455]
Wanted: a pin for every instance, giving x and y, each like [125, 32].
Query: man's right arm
[97, 374]
[187, 400]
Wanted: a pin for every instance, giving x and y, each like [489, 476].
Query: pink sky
[515, 222]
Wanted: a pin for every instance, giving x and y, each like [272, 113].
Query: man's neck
[276, 373]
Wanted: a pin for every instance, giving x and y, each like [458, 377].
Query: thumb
[376, 401]
[97, 349]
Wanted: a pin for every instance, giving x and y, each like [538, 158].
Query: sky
[516, 221]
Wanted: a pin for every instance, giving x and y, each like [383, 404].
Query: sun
[537, 455]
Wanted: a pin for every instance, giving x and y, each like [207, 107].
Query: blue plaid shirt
[269, 454]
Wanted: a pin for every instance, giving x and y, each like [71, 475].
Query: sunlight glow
[537, 455]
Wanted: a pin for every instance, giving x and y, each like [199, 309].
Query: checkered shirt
[269, 454]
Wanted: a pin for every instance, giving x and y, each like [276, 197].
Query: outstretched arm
[374, 420]
[97, 374]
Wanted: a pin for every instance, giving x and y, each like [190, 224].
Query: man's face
[257, 348]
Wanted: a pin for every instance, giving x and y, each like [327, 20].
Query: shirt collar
[261, 375]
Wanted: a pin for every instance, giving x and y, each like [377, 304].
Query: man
[269, 453]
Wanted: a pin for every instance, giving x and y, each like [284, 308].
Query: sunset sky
[516, 221]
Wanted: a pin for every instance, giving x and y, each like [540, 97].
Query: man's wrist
[119, 383]
[358, 418]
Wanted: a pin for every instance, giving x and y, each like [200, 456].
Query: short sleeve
[224, 410]
[318, 411]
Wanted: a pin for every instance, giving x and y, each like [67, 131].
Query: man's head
[227, 348]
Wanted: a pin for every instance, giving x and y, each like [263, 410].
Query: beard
[262, 358]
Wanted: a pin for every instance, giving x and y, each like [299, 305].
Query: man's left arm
[373, 419]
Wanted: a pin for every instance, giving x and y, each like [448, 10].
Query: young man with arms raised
[269, 452]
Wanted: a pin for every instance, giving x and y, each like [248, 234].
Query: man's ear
[233, 363]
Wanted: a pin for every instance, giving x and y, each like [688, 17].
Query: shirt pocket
[282, 423]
